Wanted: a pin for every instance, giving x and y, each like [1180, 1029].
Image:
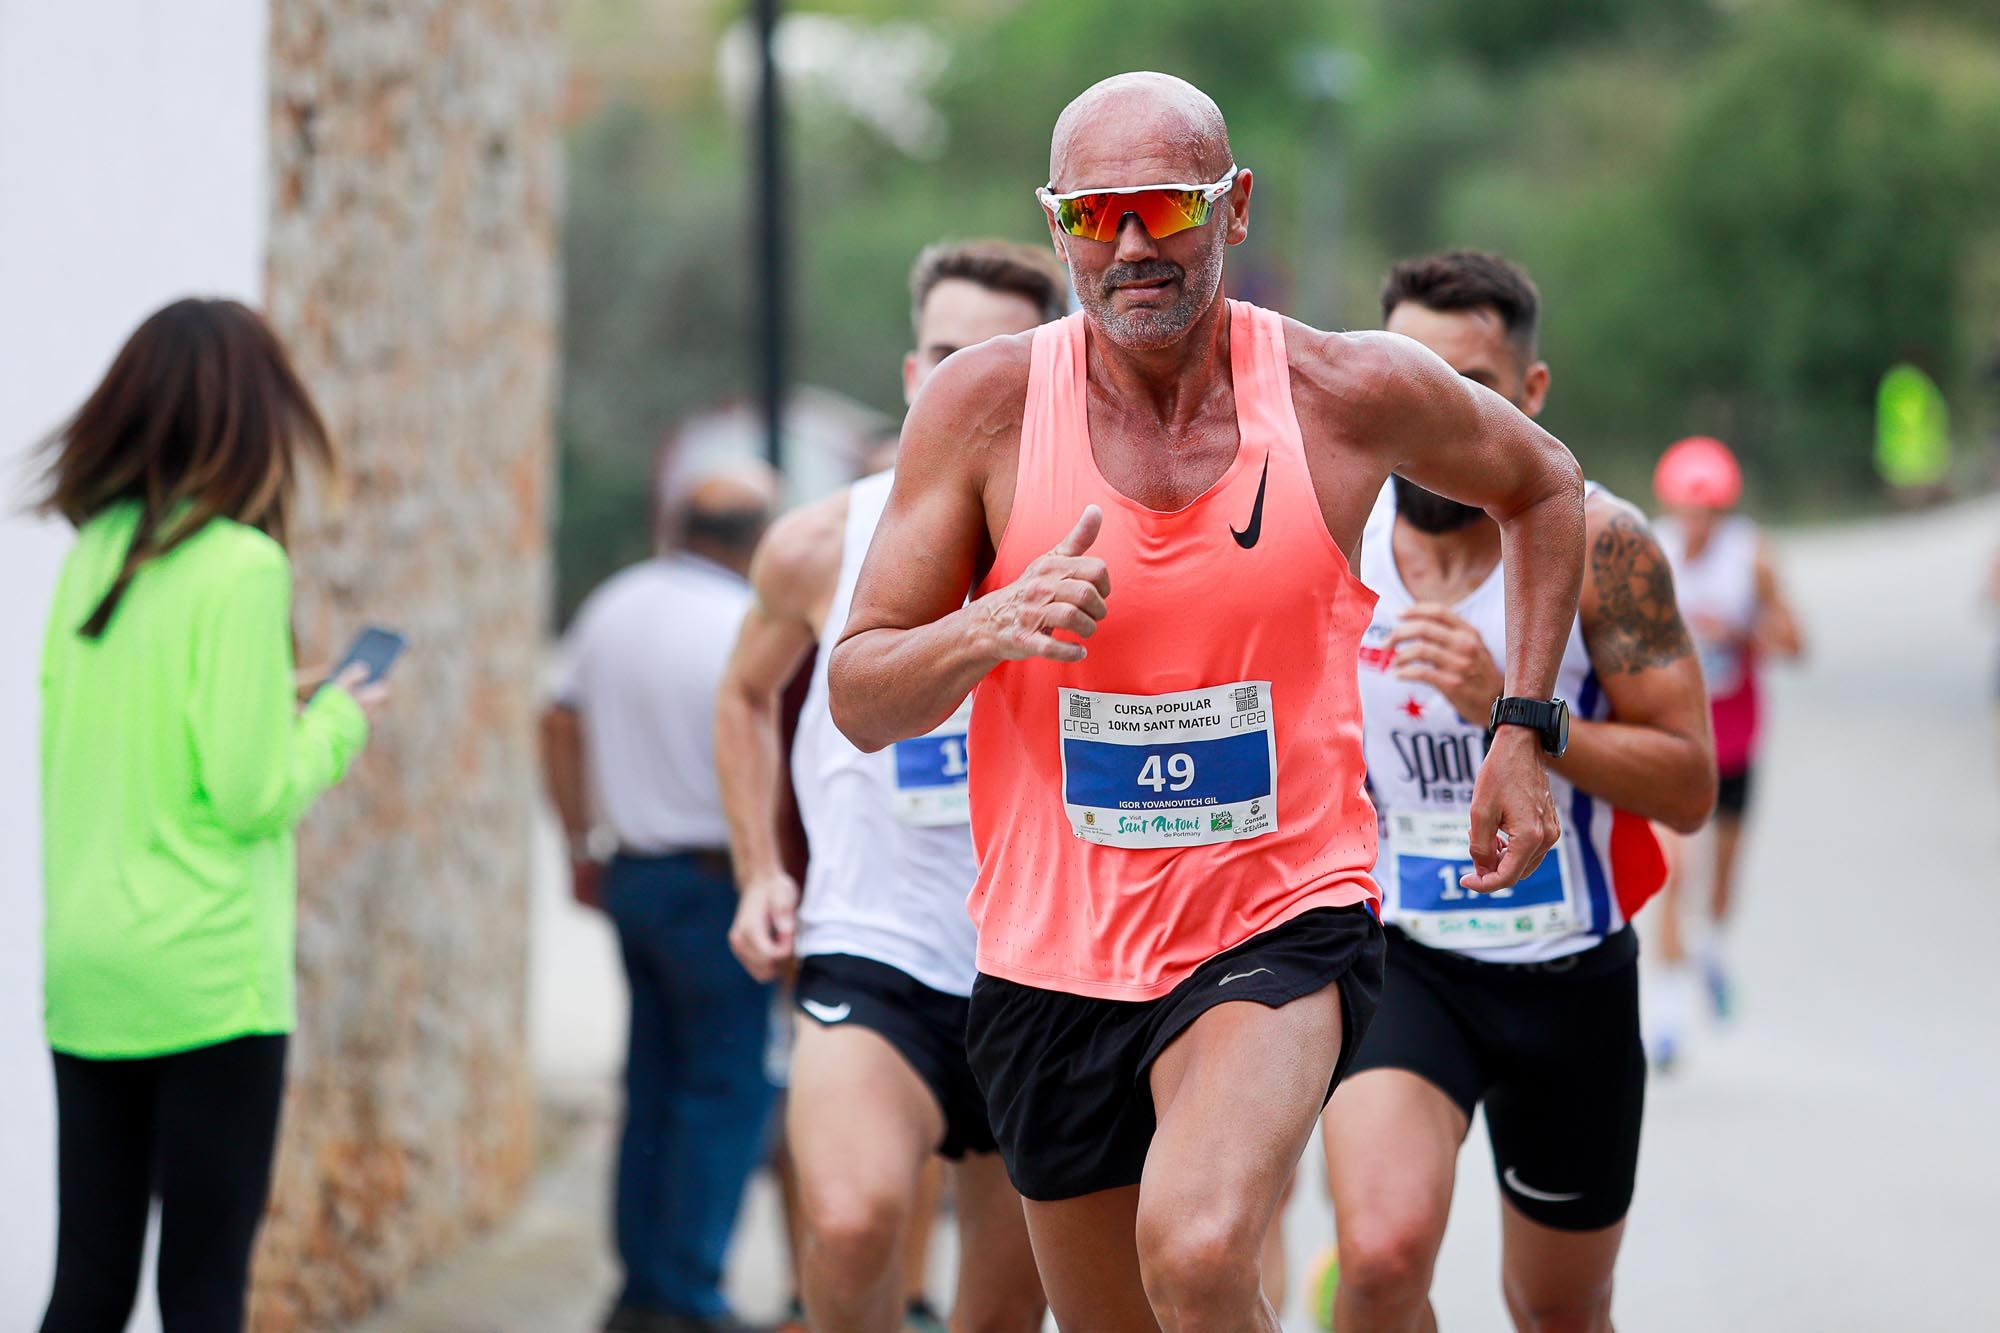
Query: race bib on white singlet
[930, 774]
[1428, 850]
[1170, 770]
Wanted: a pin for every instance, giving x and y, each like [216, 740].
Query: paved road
[1829, 1163]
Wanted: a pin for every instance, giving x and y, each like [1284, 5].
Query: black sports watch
[1547, 718]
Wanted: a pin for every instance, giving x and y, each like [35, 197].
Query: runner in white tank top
[879, 1077]
[892, 858]
[1727, 583]
[1717, 590]
[1422, 759]
[1524, 1001]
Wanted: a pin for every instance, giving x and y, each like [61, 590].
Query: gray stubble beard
[1150, 330]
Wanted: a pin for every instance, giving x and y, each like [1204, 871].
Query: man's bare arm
[792, 577]
[568, 779]
[1655, 755]
[563, 771]
[1464, 441]
[913, 647]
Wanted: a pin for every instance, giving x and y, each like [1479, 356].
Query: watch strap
[1542, 716]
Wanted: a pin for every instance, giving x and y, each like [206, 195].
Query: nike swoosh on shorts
[1238, 976]
[1529, 1192]
[826, 1013]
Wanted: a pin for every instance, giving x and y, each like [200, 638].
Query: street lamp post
[771, 253]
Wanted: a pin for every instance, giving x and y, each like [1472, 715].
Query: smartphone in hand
[374, 648]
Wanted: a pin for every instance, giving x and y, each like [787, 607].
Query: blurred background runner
[1726, 579]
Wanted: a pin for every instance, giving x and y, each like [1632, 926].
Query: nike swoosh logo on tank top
[1248, 537]
[1197, 779]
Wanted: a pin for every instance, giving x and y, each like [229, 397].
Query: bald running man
[1526, 1002]
[879, 1078]
[1155, 505]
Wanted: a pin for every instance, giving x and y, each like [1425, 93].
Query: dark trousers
[197, 1128]
[696, 1097]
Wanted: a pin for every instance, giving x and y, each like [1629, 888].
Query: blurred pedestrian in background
[175, 761]
[1912, 435]
[1727, 584]
[629, 752]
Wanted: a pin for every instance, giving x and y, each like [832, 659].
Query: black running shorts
[1066, 1076]
[925, 1026]
[1732, 793]
[1551, 1048]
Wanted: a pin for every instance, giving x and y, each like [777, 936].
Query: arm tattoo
[1638, 623]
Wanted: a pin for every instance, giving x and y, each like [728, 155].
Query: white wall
[132, 171]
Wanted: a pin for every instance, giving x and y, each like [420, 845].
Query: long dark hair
[201, 416]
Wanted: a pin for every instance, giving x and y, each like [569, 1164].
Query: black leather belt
[714, 861]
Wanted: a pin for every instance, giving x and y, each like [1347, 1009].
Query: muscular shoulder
[975, 398]
[1603, 511]
[1631, 620]
[1369, 379]
[798, 561]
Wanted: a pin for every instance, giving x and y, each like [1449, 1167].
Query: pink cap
[1698, 473]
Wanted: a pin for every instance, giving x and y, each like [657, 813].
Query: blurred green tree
[1740, 213]
[654, 319]
[1510, 34]
[1806, 227]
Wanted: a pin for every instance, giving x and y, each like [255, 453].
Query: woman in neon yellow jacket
[175, 762]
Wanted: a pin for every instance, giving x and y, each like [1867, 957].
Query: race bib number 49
[1170, 770]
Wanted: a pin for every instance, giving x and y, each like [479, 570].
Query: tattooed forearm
[1638, 623]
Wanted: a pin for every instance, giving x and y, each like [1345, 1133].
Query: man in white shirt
[628, 750]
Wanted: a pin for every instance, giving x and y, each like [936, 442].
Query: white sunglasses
[1096, 214]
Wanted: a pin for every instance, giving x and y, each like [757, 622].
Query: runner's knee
[855, 1233]
[1194, 1261]
[1388, 1258]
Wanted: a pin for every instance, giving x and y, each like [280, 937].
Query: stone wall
[412, 269]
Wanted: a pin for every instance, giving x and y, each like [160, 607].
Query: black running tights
[197, 1129]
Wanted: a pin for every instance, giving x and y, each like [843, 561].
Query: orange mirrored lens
[1097, 217]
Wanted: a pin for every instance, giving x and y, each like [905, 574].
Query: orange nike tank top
[1197, 779]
